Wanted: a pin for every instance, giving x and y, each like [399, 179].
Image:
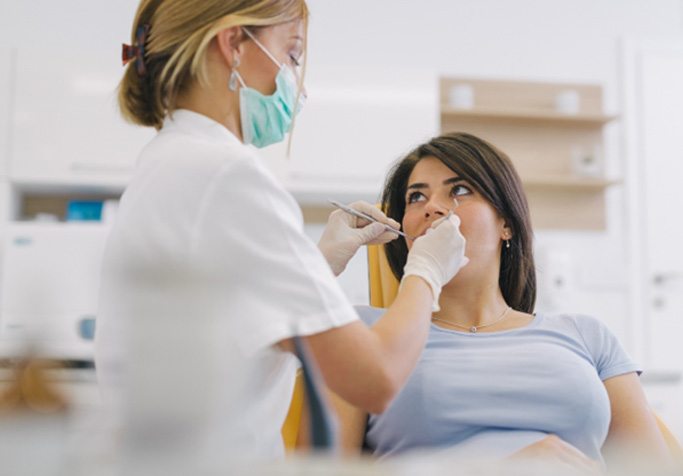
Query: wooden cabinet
[552, 132]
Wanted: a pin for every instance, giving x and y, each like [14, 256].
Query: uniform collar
[190, 122]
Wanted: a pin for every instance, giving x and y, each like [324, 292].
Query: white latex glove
[344, 234]
[438, 255]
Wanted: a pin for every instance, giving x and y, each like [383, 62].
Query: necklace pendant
[473, 329]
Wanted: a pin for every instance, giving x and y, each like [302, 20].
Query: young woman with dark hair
[496, 380]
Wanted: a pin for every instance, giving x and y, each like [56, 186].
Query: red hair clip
[137, 50]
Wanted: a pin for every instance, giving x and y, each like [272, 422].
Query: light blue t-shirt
[492, 394]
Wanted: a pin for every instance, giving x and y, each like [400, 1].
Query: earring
[234, 76]
[507, 244]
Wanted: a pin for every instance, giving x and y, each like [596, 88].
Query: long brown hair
[175, 51]
[493, 175]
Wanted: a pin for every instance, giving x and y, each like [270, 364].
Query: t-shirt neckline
[534, 323]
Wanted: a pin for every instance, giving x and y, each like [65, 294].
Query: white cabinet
[65, 123]
[50, 286]
[662, 116]
[6, 65]
[6, 58]
[660, 164]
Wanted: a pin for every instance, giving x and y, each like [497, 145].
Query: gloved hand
[437, 256]
[345, 233]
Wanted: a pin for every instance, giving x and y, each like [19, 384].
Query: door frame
[633, 50]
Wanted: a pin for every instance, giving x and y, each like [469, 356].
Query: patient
[496, 380]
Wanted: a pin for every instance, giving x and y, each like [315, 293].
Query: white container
[50, 285]
[568, 102]
[461, 96]
[109, 210]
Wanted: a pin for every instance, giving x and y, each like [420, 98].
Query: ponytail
[175, 48]
[139, 100]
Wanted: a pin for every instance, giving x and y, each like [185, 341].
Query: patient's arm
[559, 454]
[633, 432]
[352, 422]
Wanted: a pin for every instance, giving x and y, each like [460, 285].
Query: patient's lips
[427, 226]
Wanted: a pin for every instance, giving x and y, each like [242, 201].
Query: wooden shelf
[319, 196]
[546, 146]
[528, 115]
[569, 182]
[49, 185]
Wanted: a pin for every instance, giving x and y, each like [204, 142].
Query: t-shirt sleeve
[370, 315]
[277, 283]
[609, 357]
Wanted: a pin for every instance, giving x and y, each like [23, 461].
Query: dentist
[207, 274]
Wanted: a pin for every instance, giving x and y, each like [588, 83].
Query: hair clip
[137, 50]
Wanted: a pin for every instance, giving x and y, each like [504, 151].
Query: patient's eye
[414, 197]
[460, 190]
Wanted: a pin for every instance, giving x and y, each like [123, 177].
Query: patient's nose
[437, 208]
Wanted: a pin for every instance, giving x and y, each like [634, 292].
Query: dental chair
[290, 429]
[309, 397]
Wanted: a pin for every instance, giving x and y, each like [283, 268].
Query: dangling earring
[234, 76]
[507, 244]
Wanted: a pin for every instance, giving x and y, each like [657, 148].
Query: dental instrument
[364, 216]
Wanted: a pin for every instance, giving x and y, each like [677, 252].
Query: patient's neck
[471, 303]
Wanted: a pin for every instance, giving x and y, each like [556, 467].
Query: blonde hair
[175, 49]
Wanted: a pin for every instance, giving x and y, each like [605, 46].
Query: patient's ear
[506, 231]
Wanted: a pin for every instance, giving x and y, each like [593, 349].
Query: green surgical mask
[266, 119]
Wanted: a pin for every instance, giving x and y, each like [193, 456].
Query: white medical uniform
[206, 268]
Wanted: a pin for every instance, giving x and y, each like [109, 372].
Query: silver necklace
[474, 329]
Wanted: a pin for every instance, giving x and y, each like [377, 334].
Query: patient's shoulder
[369, 315]
[578, 323]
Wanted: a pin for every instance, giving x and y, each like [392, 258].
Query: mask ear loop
[235, 76]
[263, 48]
